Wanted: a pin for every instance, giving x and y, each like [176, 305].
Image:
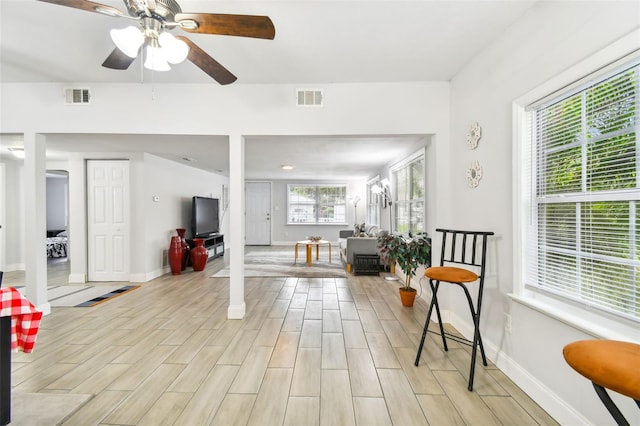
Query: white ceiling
[316, 42]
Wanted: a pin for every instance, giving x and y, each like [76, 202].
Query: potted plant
[409, 252]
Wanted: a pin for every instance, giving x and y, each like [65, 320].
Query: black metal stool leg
[613, 409]
[442, 333]
[425, 330]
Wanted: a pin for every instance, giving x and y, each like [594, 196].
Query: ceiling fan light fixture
[155, 57]
[174, 50]
[188, 24]
[128, 40]
[107, 10]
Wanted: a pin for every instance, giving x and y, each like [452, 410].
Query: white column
[237, 306]
[35, 203]
[77, 221]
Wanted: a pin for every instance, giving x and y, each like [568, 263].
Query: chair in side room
[460, 252]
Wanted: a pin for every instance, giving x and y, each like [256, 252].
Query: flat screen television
[204, 217]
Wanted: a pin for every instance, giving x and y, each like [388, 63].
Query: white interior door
[258, 213]
[108, 220]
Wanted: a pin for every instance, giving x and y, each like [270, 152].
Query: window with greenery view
[408, 181]
[373, 203]
[584, 237]
[316, 204]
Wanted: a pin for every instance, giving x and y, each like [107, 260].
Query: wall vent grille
[76, 96]
[308, 97]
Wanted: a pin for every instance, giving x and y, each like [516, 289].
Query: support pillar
[35, 202]
[237, 307]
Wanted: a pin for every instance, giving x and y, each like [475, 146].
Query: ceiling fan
[156, 18]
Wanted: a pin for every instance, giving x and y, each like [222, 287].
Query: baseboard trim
[45, 308]
[236, 311]
[557, 408]
[77, 278]
[15, 267]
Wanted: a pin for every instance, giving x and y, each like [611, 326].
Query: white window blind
[583, 235]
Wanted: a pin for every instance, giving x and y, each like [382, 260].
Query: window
[316, 204]
[583, 224]
[408, 181]
[373, 203]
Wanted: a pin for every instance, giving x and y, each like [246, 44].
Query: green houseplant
[409, 252]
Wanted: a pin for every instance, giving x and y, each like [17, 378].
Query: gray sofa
[350, 244]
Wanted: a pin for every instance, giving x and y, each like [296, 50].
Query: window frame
[595, 322]
[317, 204]
[394, 170]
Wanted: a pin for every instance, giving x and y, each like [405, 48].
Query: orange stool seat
[609, 364]
[450, 274]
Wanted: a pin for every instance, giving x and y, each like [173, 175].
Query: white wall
[551, 37]
[209, 109]
[282, 233]
[56, 203]
[174, 184]
[14, 244]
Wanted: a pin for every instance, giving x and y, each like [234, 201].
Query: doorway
[258, 213]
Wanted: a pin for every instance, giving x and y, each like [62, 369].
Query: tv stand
[213, 243]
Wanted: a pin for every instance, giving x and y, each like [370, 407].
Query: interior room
[349, 95]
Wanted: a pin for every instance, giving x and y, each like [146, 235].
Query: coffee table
[309, 244]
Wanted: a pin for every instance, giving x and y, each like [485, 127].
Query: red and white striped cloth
[25, 318]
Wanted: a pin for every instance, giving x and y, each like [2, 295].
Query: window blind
[583, 236]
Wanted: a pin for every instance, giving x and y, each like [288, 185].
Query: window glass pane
[417, 216]
[560, 124]
[557, 225]
[402, 217]
[316, 204]
[561, 172]
[612, 105]
[611, 163]
[402, 184]
[417, 180]
[606, 229]
[409, 196]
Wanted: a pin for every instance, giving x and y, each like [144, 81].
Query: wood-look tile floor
[319, 351]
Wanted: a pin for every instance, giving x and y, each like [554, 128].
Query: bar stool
[459, 247]
[609, 364]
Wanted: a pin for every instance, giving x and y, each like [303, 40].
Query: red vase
[175, 255]
[185, 248]
[199, 255]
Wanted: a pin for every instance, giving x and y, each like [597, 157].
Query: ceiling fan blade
[89, 6]
[207, 64]
[118, 60]
[233, 25]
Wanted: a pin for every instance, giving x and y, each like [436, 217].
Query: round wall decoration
[474, 135]
[474, 174]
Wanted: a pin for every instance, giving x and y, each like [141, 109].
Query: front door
[258, 213]
[108, 220]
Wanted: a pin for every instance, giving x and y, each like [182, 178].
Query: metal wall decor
[474, 174]
[474, 135]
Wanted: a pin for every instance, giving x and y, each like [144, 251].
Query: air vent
[76, 96]
[310, 97]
